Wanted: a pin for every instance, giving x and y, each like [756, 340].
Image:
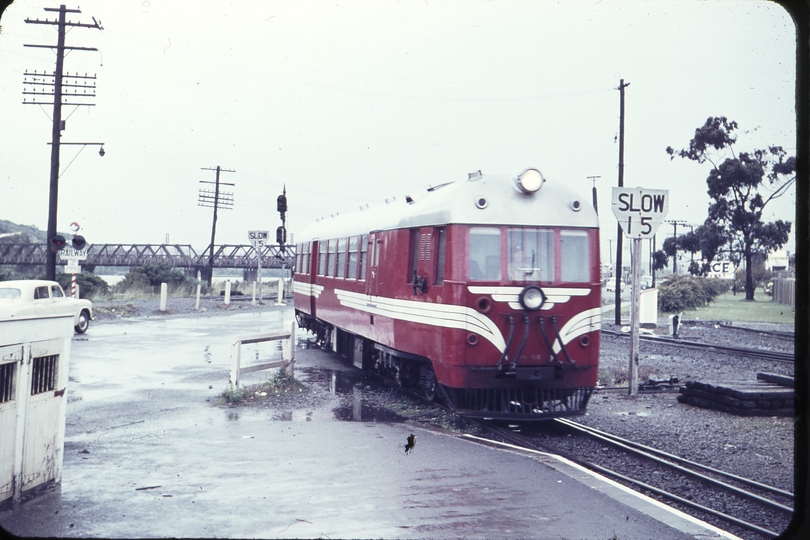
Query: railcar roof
[461, 202]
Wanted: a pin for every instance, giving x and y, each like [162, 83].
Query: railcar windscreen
[531, 254]
[485, 254]
[574, 256]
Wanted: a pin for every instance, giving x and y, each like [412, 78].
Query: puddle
[333, 395]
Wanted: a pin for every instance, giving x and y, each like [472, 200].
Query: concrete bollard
[197, 305]
[228, 293]
[163, 293]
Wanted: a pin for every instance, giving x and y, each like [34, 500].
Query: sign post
[258, 239]
[640, 212]
[72, 257]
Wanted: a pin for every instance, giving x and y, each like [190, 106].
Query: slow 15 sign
[640, 211]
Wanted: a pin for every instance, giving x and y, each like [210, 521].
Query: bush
[90, 285]
[147, 279]
[679, 293]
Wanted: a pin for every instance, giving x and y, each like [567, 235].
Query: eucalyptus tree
[740, 187]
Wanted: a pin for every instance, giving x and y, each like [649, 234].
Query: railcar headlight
[530, 181]
[532, 298]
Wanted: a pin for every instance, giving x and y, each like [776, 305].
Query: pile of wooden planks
[769, 395]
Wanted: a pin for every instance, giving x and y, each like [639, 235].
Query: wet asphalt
[152, 451]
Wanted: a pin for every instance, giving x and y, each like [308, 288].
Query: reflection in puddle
[361, 412]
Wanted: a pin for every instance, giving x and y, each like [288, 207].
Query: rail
[287, 362]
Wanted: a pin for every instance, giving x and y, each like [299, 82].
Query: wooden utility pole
[675, 223]
[618, 291]
[214, 199]
[56, 79]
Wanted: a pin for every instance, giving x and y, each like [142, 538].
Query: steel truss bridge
[179, 255]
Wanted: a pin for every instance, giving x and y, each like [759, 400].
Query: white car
[26, 297]
[610, 286]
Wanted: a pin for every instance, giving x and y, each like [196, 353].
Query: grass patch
[728, 307]
[278, 385]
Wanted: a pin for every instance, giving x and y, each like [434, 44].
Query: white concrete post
[228, 292]
[163, 293]
[280, 301]
[253, 301]
[197, 305]
[288, 351]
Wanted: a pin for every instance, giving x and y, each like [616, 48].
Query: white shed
[34, 358]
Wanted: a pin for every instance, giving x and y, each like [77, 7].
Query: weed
[233, 394]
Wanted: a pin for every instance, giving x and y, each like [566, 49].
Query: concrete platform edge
[647, 505]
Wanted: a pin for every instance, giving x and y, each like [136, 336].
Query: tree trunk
[749, 275]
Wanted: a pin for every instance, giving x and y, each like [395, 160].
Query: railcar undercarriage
[515, 399]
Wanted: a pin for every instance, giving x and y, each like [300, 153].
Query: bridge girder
[179, 255]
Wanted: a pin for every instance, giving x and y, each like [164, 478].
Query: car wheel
[84, 322]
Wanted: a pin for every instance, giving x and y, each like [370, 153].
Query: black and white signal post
[640, 212]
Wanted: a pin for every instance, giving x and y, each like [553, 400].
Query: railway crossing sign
[640, 211]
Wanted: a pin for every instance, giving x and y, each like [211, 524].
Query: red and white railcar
[485, 291]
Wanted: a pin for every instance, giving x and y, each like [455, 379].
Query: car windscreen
[9, 294]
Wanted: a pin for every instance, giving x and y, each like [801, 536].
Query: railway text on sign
[640, 211]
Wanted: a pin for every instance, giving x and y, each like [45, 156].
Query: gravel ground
[175, 307]
[758, 447]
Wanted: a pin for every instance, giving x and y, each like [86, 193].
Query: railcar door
[373, 279]
[314, 257]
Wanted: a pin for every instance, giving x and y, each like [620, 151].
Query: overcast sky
[348, 103]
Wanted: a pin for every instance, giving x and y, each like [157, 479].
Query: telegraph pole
[56, 80]
[618, 291]
[675, 223]
[214, 199]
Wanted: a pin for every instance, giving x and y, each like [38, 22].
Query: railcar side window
[485, 254]
[574, 256]
[441, 234]
[414, 255]
[341, 258]
[531, 255]
[330, 259]
[363, 255]
[321, 258]
[353, 245]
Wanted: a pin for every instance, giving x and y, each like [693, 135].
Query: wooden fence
[287, 354]
[784, 288]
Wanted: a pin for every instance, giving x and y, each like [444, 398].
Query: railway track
[735, 351]
[728, 501]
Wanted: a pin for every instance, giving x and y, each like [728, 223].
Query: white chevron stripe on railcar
[554, 295]
[307, 289]
[579, 324]
[443, 315]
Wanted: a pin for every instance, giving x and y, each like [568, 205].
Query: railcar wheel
[84, 322]
[427, 382]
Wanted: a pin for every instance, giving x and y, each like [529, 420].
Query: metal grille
[43, 378]
[525, 402]
[7, 382]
